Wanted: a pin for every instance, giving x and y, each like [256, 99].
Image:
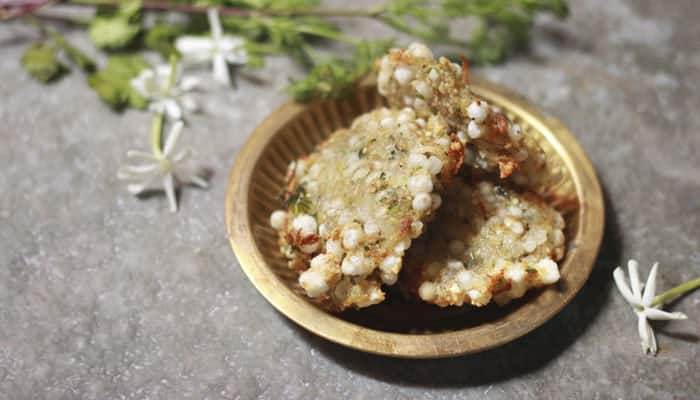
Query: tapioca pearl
[516, 132]
[423, 89]
[310, 248]
[355, 264]
[419, 50]
[420, 184]
[427, 291]
[300, 168]
[383, 80]
[465, 278]
[557, 237]
[421, 202]
[515, 211]
[420, 122]
[456, 248]
[277, 219]
[388, 279]
[477, 297]
[478, 110]
[371, 229]
[455, 264]
[333, 247]
[408, 100]
[548, 270]
[406, 115]
[436, 201]
[474, 130]
[391, 264]
[434, 165]
[434, 75]
[305, 224]
[457, 69]
[322, 230]
[442, 141]
[403, 75]
[345, 218]
[416, 160]
[313, 282]
[416, 229]
[351, 238]
[462, 136]
[515, 273]
[419, 103]
[387, 122]
[401, 247]
[321, 261]
[514, 225]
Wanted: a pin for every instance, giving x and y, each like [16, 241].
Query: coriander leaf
[113, 33]
[333, 77]
[113, 82]
[160, 37]
[41, 61]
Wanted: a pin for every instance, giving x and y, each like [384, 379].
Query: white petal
[132, 171]
[172, 109]
[188, 83]
[136, 188]
[139, 84]
[158, 106]
[197, 180]
[652, 339]
[181, 156]
[220, 67]
[214, 23]
[650, 287]
[189, 103]
[643, 328]
[172, 138]
[195, 49]
[653, 313]
[619, 276]
[633, 269]
[169, 187]
[238, 57]
[137, 154]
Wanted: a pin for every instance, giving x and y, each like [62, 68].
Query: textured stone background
[105, 296]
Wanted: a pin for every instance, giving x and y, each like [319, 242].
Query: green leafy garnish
[113, 82]
[116, 29]
[298, 202]
[41, 61]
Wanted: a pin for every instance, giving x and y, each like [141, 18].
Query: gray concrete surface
[104, 296]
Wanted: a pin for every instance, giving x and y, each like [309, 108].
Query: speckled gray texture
[103, 296]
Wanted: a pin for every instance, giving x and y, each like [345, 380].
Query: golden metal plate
[396, 328]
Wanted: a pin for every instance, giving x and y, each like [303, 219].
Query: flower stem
[676, 291]
[160, 5]
[157, 134]
[158, 119]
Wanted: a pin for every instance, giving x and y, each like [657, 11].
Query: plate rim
[437, 345]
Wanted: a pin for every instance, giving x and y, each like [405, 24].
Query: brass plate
[396, 328]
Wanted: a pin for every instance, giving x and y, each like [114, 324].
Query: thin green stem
[676, 291]
[158, 119]
[159, 5]
[157, 134]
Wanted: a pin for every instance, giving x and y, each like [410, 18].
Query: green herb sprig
[293, 27]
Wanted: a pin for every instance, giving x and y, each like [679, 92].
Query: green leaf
[113, 33]
[41, 61]
[113, 82]
[161, 38]
[116, 29]
[335, 76]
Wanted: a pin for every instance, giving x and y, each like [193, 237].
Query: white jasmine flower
[165, 95]
[164, 170]
[220, 49]
[642, 302]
